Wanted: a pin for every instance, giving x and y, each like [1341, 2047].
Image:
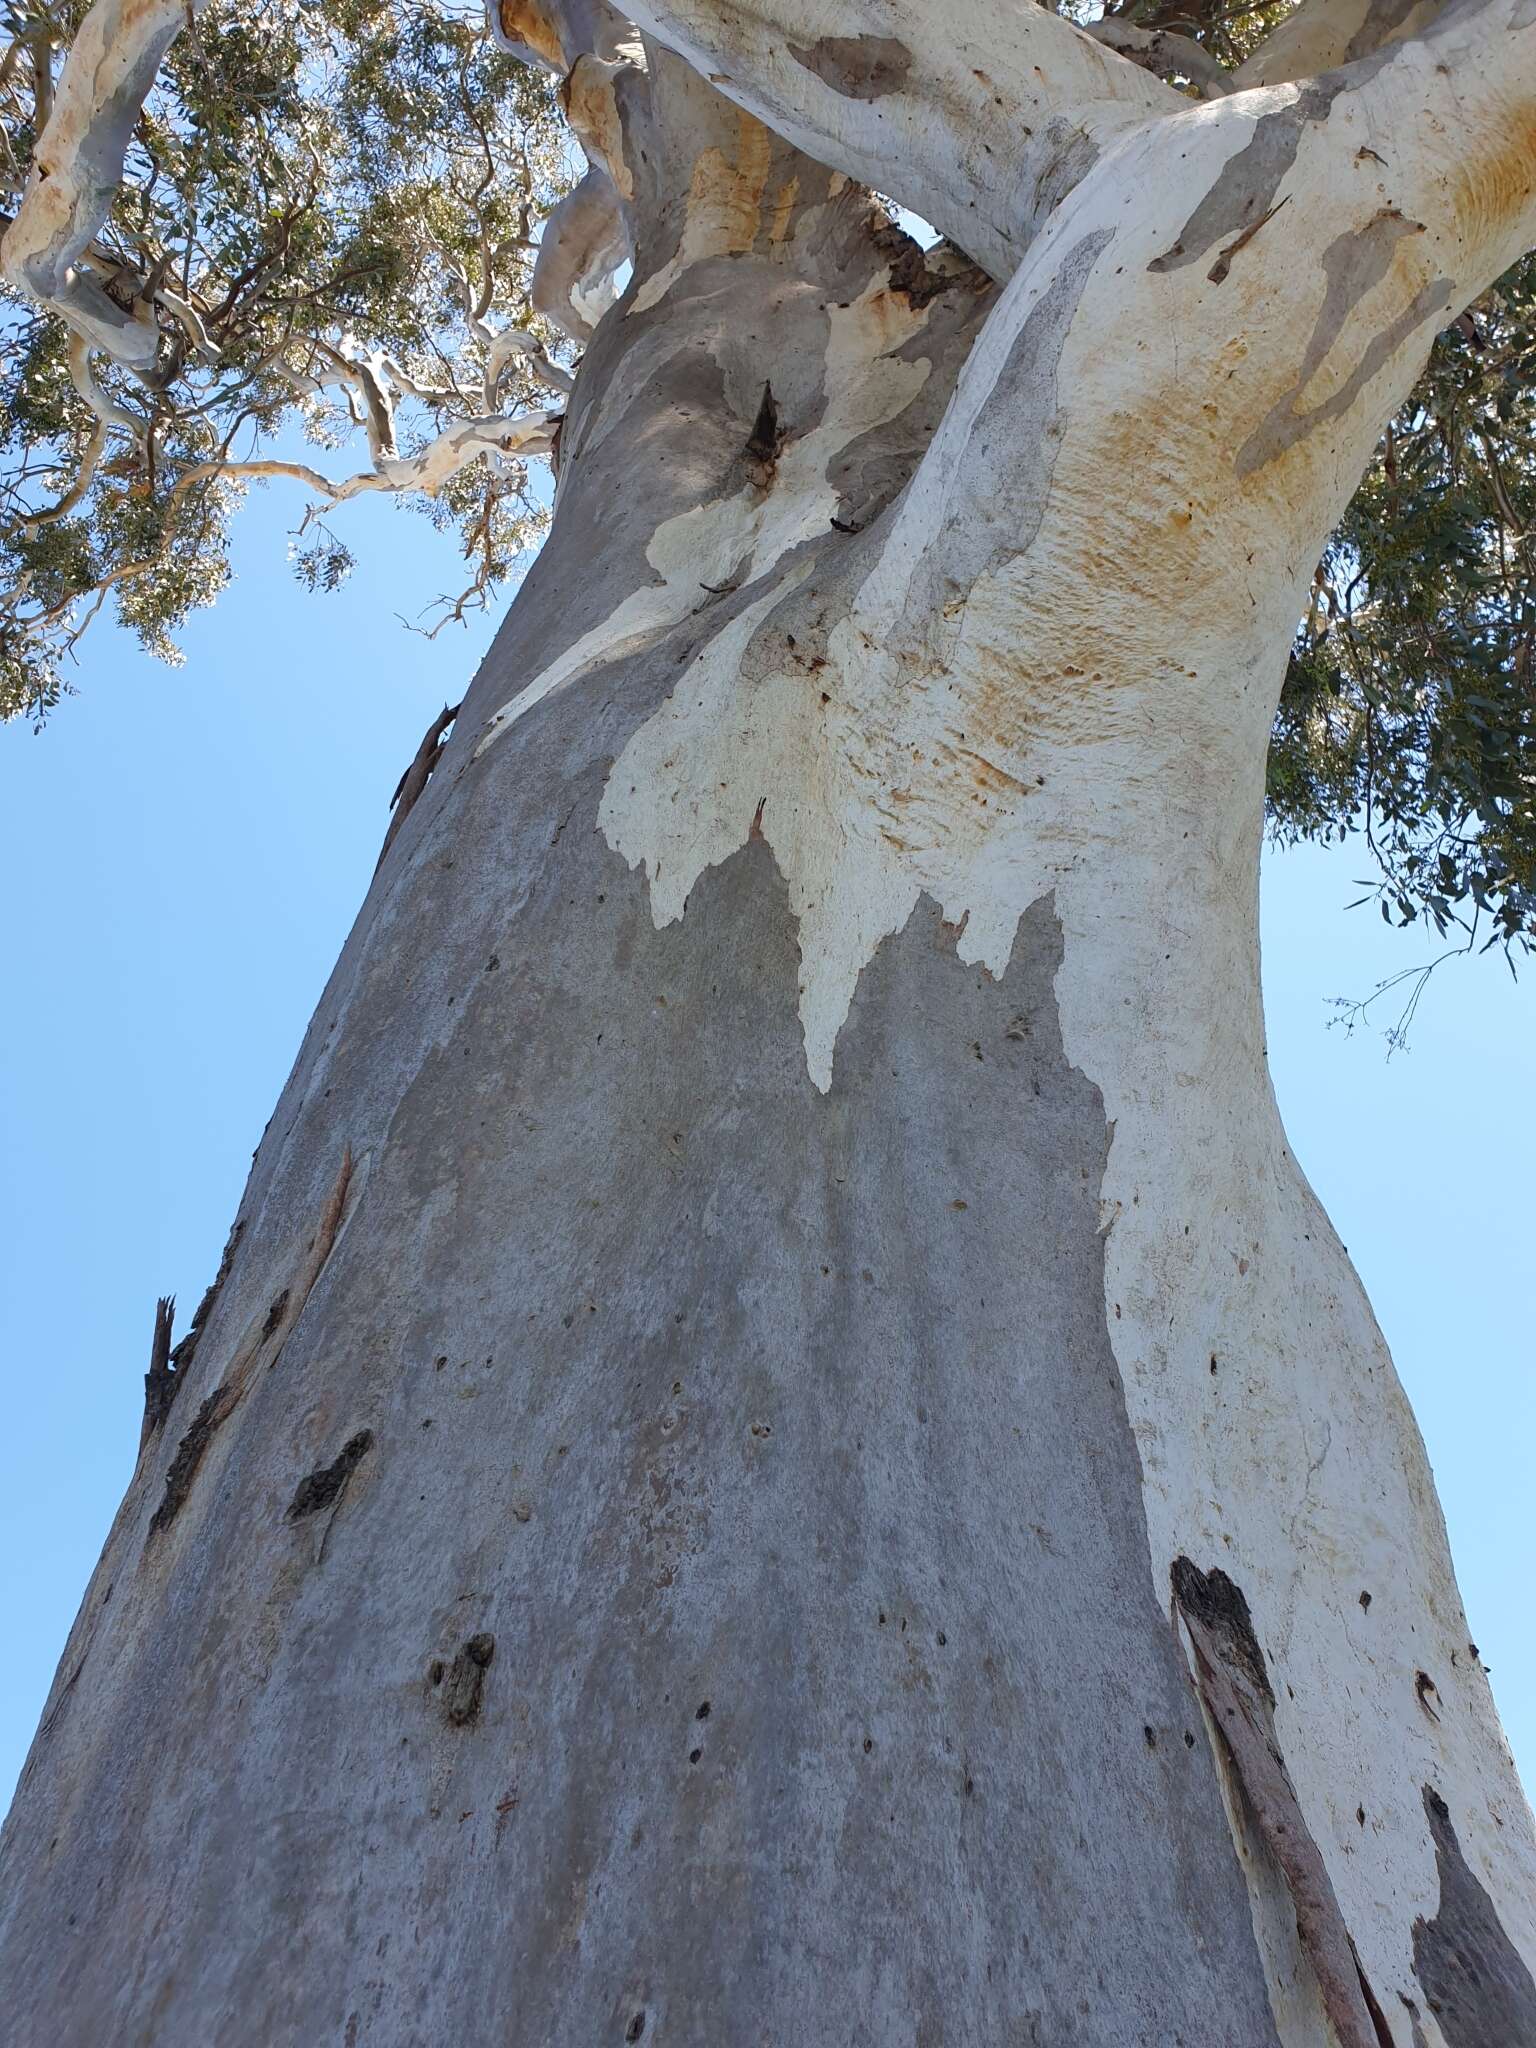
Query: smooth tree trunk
[782, 1452]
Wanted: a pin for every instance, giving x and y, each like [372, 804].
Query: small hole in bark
[437, 1670]
[1189, 1740]
[1360, 1815]
[1365, 1602]
[703, 1713]
[694, 1755]
[635, 2028]
[1149, 1736]
[970, 1787]
[942, 1639]
[868, 1744]
[1213, 1361]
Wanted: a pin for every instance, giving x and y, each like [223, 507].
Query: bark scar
[263, 1341]
[1233, 1682]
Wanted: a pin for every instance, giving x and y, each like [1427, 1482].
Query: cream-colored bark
[974, 115]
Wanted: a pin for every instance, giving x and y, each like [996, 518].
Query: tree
[780, 1449]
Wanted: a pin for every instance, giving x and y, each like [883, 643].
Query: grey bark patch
[1283, 426]
[325, 1487]
[1245, 189]
[1478, 1988]
[1006, 474]
[1382, 17]
[1234, 1683]
[859, 67]
[771, 1382]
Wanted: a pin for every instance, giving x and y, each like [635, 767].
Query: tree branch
[78, 166]
[976, 116]
[1323, 34]
[585, 241]
[1168, 55]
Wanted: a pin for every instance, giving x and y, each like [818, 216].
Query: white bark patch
[740, 538]
[1075, 714]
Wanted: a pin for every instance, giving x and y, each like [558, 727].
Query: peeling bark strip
[263, 1341]
[1477, 1986]
[416, 777]
[859, 67]
[1234, 1684]
[159, 1381]
[325, 1488]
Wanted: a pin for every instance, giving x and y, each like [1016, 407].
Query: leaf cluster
[308, 186]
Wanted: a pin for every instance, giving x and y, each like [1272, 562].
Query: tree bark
[784, 1453]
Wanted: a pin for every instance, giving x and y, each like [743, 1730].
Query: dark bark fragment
[325, 1487]
[190, 1453]
[466, 1680]
[1476, 1984]
[1234, 1684]
[923, 275]
[764, 442]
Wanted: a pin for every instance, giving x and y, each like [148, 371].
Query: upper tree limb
[974, 115]
[78, 168]
[1323, 34]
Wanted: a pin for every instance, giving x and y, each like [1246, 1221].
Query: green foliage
[315, 184]
[1409, 712]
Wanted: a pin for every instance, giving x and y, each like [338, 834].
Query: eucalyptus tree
[780, 1450]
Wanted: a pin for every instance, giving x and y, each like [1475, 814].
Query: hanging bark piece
[1234, 1684]
[159, 1381]
[264, 1340]
[416, 777]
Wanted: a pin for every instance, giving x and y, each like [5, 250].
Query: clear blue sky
[184, 851]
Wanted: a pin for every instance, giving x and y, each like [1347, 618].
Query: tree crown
[325, 232]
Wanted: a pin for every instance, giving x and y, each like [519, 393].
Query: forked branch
[974, 115]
